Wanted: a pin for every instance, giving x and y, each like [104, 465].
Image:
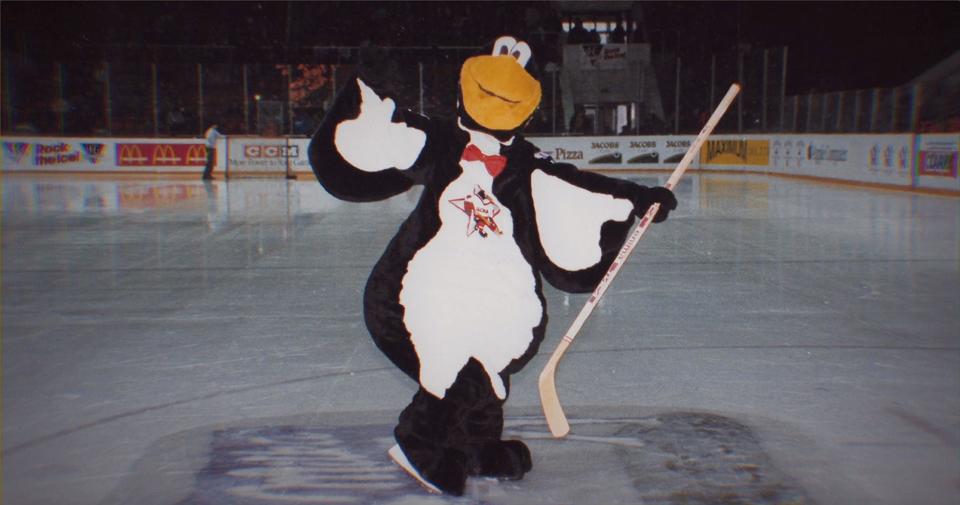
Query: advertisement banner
[936, 160]
[814, 155]
[300, 163]
[618, 73]
[259, 156]
[937, 155]
[929, 161]
[160, 154]
[736, 151]
[603, 56]
[623, 152]
[937, 163]
[44, 154]
[36, 154]
[881, 159]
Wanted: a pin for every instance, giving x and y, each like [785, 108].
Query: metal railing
[161, 98]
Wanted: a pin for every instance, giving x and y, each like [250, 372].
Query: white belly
[469, 295]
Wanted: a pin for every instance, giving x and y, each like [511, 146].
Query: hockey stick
[552, 410]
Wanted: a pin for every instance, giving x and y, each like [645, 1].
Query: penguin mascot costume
[456, 300]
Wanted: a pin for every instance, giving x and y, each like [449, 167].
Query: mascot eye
[504, 45]
[522, 53]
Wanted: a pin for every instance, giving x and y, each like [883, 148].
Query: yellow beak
[498, 92]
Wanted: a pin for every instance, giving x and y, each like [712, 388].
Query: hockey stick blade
[549, 399]
[556, 419]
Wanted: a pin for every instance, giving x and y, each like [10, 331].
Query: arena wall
[103, 155]
[905, 161]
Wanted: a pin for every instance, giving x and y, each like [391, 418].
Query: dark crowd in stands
[291, 24]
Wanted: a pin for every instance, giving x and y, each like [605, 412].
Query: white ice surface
[135, 310]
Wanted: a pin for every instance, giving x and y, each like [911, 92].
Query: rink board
[908, 161]
[106, 155]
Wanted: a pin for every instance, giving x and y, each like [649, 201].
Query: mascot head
[497, 93]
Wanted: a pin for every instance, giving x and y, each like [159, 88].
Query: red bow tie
[495, 163]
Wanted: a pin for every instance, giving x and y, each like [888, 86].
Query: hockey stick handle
[556, 419]
[702, 136]
[631, 243]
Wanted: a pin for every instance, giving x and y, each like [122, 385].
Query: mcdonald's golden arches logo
[196, 155]
[130, 155]
[163, 154]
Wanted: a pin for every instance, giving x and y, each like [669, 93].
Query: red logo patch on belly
[481, 212]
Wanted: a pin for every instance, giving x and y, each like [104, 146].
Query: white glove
[372, 142]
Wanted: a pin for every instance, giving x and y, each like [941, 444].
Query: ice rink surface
[775, 341]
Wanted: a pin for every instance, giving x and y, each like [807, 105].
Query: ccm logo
[270, 151]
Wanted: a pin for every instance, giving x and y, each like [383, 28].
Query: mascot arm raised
[366, 149]
[583, 218]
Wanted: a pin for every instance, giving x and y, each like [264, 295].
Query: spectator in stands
[634, 34]
[578, 34]
[652, 125]
[619, 35]
[553, 35]
[176, 119]
[538, 122]
[212, 136]
[580, 123]
[593, 36]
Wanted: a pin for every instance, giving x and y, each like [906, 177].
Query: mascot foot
[445, 474]
[503, 459]
[398, 457]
